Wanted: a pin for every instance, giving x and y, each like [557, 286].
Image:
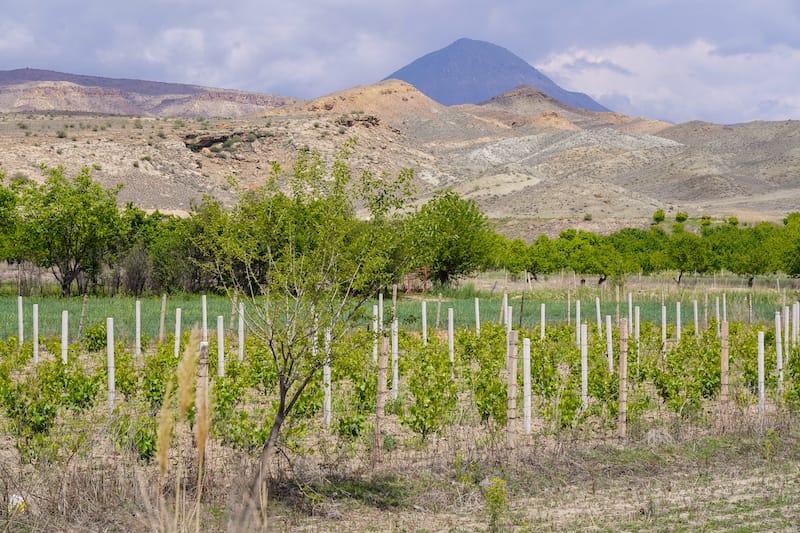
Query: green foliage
[659, 216]
[496, 502]
[450, 236]
[690, 374]
[136, 430]
[432, 388]
[681, 216]
[33, 403]
[96, 338]
[70, 225]
[488, 353]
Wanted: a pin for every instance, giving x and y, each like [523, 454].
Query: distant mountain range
[466, 72]
[471, 72]
[27, 89]
[534, 159]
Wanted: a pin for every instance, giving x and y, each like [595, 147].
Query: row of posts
[137, 336]
[790, 318]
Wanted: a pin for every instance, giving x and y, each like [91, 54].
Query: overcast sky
[718, 60]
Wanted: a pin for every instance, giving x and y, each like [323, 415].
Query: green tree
[70, 226]
[450, 236]
[687, 252]
[295, 247]
[545, 256]
[9, 221]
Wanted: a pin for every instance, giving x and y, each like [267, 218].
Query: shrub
[681, 216]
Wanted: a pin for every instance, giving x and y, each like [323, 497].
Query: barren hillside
[521, 156]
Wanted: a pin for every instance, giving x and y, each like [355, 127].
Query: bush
[681, 216]
[659, 216]
[95, 337]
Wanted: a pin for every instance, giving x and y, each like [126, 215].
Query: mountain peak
[469, 71]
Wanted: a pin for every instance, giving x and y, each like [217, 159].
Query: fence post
[724, 367]
[204, 305]
[779, 351]
[395, 362]
[35, 334]
[20, 325]
[162, 332]
[220, 346]
[609, 345]
[584, 369]
[326, 381]
[177, 332]
[451, 341]
[380, 400]
[526, 384]
[512, 377]
[424, 323]
[137, 345]
[599, 316]
[112, 390]
[240, 346]
[477, 317]
[542, 323]
[64, 336]
[375, 333]
[622, 417]
[761, 401]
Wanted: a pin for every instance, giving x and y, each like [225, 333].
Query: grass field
[526, 309]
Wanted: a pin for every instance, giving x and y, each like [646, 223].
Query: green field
[526, 309]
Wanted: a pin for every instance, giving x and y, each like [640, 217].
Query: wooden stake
[162, 332]
[512, 377]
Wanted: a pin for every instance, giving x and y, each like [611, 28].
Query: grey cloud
[315, 47]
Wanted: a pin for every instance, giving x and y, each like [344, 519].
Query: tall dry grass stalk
[201, 424]
[165, 425]
[186, 385]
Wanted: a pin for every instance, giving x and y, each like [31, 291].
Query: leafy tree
[450, 236]
[8, 221]
[295, 247]
[70, 226]
[545, 256]
[687, 252]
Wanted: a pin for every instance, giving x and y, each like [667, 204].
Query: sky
[724, 61]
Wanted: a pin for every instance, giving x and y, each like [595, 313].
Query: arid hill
[24, 90]
[531, 162]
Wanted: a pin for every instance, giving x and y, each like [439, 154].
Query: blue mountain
[471, 72]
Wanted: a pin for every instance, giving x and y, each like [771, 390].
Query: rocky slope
[532, 163]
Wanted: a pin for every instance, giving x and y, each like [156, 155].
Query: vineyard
[412, 416]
